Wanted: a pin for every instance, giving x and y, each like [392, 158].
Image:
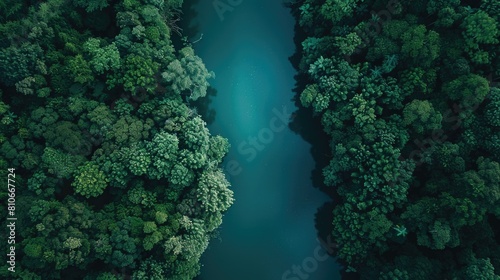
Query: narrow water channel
[270, 228]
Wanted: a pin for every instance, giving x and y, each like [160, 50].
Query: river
[269, 232]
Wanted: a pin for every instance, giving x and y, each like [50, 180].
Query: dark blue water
[270, 228]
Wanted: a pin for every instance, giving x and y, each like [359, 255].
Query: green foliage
[420, 44]
[163, 150]
[335, 10]
[161, 217]
[309, 95]
[60, 164]
[80, 70]
[17, 63]
[470, 90]
[125, 248]
[149, 227]
[181, 175]
[150, 269]
[188, 75]
[106, 276]
[90, 181]
[136, 73]
[218, 148]
[347, 44]
[129, 129]
[406, 94]
[139, 160]
[68, 137]
[421, 116]
[482, 269]
[492, 7]
[416, 80]
[91, 6]
[493, 107]
[102, 58]
[449, 158]
[479, 28]
[133, 153]
[138, 195]
[213, 191]
[195, 134]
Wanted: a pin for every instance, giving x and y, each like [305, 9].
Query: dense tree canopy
[405, 90]
[121, 173]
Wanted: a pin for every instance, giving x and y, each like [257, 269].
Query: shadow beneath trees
[189, 25]
[202, 105]
[308, 125]
[191, 33]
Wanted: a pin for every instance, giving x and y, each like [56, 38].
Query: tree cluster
[406, 92]
[118, 176]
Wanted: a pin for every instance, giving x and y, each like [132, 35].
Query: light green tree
[90, 181]
[188, 75]
[213, 191]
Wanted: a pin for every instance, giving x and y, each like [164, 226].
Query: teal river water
[270, 228]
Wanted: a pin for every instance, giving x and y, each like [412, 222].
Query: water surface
[270, 228]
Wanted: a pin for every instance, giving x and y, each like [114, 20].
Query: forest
[111, 172]
[116, 173]
[407, 92]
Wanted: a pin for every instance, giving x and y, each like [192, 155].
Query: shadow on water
[304, 122]
[308, 125]
[324, 213]
[190, 28]
[203, 106]
[190, 34]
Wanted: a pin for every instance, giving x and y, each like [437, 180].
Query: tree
[139, 159]
[308, 95]
[421, 45]
[448, 156]
[129, 129]
[482, 269]
[163, 150]
[470, 90]
[421, 116]
[493, 107]
[67, 136]
[80, 70]
[150, 269]
[139, 195]
[136, 73]
[60, 164]
[218, 148]
[96, 161]
[479, 28]
[348, 44]
[406, 208]
[492, 8]
[125, 246]
[90, 181]
[17, 63]
[435, 6]
[91, 6]
[188, 74]
[335, 10]
[102, 58]
[181, 175]
[213, 191]
[195, 135]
